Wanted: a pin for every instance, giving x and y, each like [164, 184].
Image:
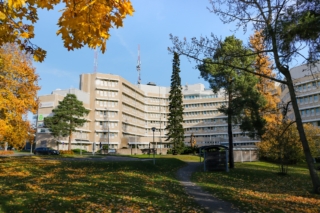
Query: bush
[188, 150]
[78, 151]
[6, 152]
[169, 151]
[66, 152]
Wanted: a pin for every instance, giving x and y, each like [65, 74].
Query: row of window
[105, 134]
[108, 83]
[212, 104]
[308, 99]
[308, 86]
[105, 124]
[211, 128]
[310, 112]
[189, 97]
[211, 120]
[197, 113]
[107, 93]
[104, 114]
[107, 103]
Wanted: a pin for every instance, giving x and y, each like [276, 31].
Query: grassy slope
[257, 187]
[31, 184]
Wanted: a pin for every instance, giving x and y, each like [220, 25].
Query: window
[315, 98]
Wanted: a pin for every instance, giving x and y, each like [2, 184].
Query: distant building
[307, 88]
[128, 112]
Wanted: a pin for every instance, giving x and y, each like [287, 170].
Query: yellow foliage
[265, 86]
[18, 95]
[81, 22]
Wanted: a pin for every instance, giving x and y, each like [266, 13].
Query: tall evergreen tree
[67, 117]
[240, 88]
[175, 120]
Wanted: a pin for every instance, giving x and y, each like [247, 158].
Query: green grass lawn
[186, 158]
[33, 184]
[256, 187]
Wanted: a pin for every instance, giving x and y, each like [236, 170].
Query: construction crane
[139, 65]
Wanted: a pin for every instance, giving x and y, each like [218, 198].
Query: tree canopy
[18, 95]
[68, 115]
[81, 22]
[266, 15]
[244, 100]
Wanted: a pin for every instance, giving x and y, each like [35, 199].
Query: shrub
[9, 152]
[66, 152]
[78, 151]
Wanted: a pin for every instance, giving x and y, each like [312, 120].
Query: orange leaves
[18, 94]
[91, 186]
[88, 23]
[81, 23]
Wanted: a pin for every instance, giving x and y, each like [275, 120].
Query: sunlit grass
[256, 187]
[33, 184]
[186, 158]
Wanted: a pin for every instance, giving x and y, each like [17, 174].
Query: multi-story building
[306, 80]
[122, 115]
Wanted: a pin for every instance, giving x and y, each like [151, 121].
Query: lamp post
[80, 142]
[154, 159]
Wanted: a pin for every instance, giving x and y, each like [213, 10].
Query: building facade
[306, 80]
[122, 115]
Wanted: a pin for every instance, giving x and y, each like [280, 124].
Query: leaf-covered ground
[32, 184]
[256, 187]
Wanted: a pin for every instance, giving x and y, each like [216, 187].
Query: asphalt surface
[207, 201]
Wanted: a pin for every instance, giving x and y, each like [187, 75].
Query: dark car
[45, 151]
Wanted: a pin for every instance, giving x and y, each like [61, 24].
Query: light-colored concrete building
[306, 80]
[122, 115]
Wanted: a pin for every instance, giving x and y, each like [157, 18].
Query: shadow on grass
[35, 185]
[257, 187]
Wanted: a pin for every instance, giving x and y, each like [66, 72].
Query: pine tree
[67, 117]
[175, 120]
[240, 87]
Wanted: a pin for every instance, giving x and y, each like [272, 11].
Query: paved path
[206, 200]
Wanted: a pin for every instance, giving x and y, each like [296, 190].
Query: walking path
[204, 199]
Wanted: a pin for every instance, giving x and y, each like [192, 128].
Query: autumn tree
[239, 87]
[282, 145]
[285, 39]
[18, 95]
[265, 86]
[175, 118]
[81, 22]
[68, 115]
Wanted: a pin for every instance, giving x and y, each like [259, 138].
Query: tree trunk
[231, 160]
[69, 144]
[313, 173]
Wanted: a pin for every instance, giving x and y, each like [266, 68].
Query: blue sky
[150, 27]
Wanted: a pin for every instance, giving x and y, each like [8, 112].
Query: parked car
[45, 151]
